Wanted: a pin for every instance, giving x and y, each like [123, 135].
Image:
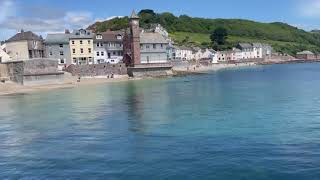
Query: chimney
[66, 31]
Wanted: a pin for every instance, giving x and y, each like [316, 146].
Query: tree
[219, 36]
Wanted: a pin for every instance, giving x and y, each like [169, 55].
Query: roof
[305, 52]
[25, 36]
[110, 36]
[184, 48]
[257, 45]
[152, 38]
[134, 15]
[57, 38]
[81, 34]
[245, 45]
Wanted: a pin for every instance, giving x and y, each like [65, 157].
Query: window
[81, 51]
[98, 53]
[102, 53]
[154, 46]
[0, 59]
[61, 45]
[161, 45]
[89, 41]
[89, 50]
[74, 60]
[50, 53]
[73, 51]
[147, 46]
[62, 61]
[80, 41]
[99, 36]
[141, 46]
[72, 42]
[90, 59]
[61, 53]
[114, 53]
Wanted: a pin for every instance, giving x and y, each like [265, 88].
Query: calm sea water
[251, 123]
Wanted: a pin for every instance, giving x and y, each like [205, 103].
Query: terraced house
[57, 47]
[108, 47]
[81, 47]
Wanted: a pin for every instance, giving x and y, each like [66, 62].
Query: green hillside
[196, 31]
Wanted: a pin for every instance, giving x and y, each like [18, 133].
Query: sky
[47, 16]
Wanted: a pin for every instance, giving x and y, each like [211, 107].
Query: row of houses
[242, 52]
[85, 47]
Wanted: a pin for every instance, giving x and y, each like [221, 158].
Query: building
[225, 56]
[143, 47]
[108, 47]
[306, 55]
[4, 57]
[153, 48]
[159, 29]
[184, 53]
[248, 51]
[57, 47]
[81, 46]
[24, 46]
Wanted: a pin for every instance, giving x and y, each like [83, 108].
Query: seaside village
[29, 59]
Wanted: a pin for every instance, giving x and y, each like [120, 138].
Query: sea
[257, 123]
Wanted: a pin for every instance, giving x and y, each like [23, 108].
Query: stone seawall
[97, 69]
[42, 71]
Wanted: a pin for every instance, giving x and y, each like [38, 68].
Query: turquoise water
[250, 123]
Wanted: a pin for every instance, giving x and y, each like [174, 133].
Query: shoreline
[11, 88]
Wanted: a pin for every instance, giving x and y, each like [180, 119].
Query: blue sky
[43, 16]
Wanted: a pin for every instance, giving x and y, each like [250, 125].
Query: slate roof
[23, 36]
[184, 48]
[257, 45]
[152, 38]
[245, 45]
[110, 36]
[57, 38]
[134, 15]
[81, 34]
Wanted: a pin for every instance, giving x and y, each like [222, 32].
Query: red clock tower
[135, 35]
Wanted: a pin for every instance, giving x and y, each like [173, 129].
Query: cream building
[24, 46]
[81, 47]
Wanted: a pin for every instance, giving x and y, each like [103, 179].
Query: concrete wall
[40, 66]
[15, 71]
[3, 71]
[150, 72]
[97, 69]
[31, 80]
[33, 72]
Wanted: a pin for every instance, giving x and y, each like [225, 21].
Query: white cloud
[310, 8]
[6, 9]
[15, 16]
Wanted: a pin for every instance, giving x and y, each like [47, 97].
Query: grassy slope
[198, 39]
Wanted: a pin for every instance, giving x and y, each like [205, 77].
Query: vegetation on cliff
[196, 31]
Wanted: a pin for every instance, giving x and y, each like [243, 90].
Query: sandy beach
[69, 82]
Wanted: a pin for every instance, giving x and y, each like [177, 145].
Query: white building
[108, 47]
[184, 53]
